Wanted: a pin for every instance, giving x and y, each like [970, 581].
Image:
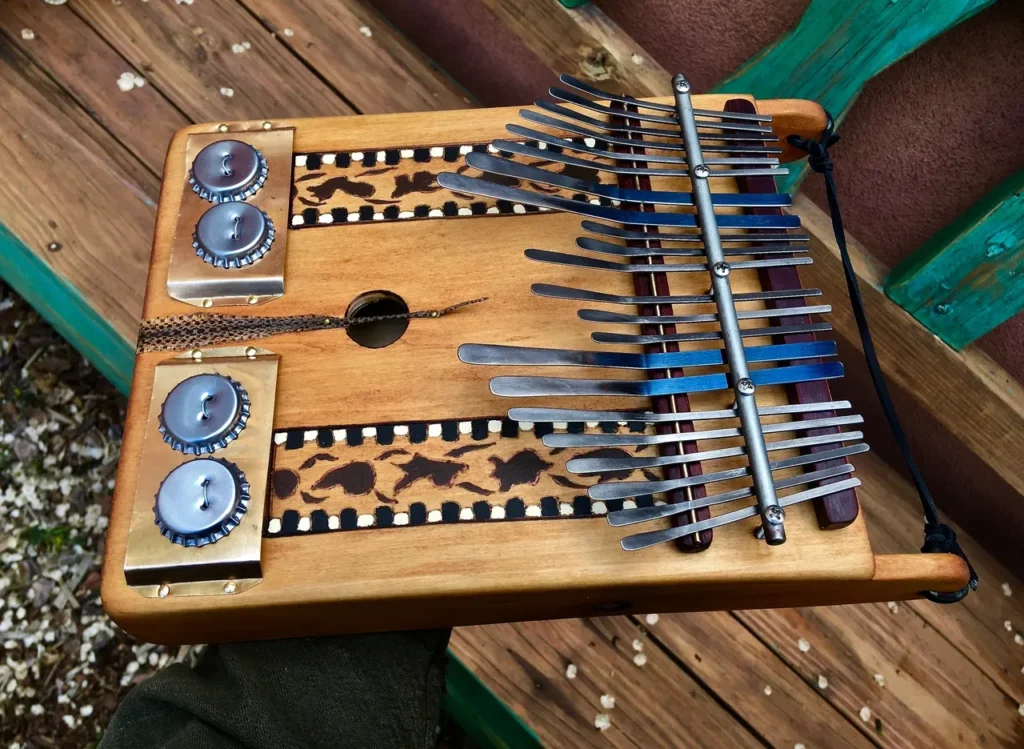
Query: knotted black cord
[938, 537]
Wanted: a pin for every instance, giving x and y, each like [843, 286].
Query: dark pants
[362, 691]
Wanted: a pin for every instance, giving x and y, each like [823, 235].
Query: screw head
[745, 386]
[253, 299]
[943, 308]
[721, 269]
[681, 85]
[250, 352]
[163, 590]
[196, 354]
[229, 587]
[774, 514]
[701, 171]
[222, 128]
[207, 302]
[266, 125]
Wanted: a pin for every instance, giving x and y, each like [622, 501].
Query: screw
[266, 125]
[163, 590]
[229, 587]
[250, 352]
[222, 128]
[253, 299]
[701, 171]
[207, 302]
[745, 386]
[774, 514]
[681, 85]
[943, 309]
[721, 269]
[197, 355]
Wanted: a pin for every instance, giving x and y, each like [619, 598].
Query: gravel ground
[65, 665]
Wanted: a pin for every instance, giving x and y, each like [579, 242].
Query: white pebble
[638, 645]
[865, 714]
[880, 680]
[602, 722]
[85, 711]
[366, 31]
[607, 701]
[822, 682]
[1006, 590]
[69, 720]
[37, 709]
[287, 32]
[803, 645]
[228, 92]
[767, 690]
[28, 35]
[640, 659]
[651, 619]
[570, 671]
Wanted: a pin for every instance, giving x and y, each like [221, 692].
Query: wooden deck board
[82, 151]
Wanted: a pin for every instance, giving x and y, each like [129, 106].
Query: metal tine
[580, 261]
[571, 98]
[773, 330]
[652, 538]
[583, 466]
[596, 245]
[598, 315]
[508, 168]
[586, 88]
[554, 140]
[492, 354]
[553, 291]
[657, 145]
[561, 439]
[511, 146]
[603, 492]
[532, 414]
[517, 386]
[476, 186]
[612, 127]
[620, 233]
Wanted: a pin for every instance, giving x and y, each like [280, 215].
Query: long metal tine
[581, 261]
[476, 186]
[497, 355]
[564, 439]
[573, 415]
[626, 489]
[602, 153]
[525, 386]
[508, 168]
[539, 118]
[613, 127]
[554, 291]
[603, 316]
[586, 88]
[642, 236]
[522, 149]
[652, 538]
[582, 466]
[711, 335]
[579, 101]
[596, 245]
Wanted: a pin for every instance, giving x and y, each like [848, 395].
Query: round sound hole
[377, 333]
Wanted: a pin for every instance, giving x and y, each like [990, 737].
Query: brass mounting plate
[191, 280]
[153, 561]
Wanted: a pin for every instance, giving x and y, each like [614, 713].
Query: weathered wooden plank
[892, 675]
[378, 72]
[73, 195]
[655, 705]
[585, 43]
[65, 47]
[969, 394]
[969, 277]
[193, 51]
[976, 626]
[764, 691]
[838, 47]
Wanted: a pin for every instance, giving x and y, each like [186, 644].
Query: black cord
[938, 537]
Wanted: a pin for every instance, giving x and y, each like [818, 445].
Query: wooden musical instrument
[305, 453]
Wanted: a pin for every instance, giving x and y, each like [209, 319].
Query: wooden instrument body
[463, 572]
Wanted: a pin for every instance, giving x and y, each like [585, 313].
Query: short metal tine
[528, 386]
[582, 261]
[632, 516]
[602, 316]
[539, 118]
[645, 131]
[575, 415]
[596, 245]
[584, 465]
[652, 538]
[555, 291]
[562, 439]
[499, 355]
[643, 340]
[614, 231]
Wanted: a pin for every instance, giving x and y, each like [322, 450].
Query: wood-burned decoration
[401, 183]
[419, 474]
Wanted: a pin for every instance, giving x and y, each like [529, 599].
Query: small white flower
[638, 645]
[1006, 586]
[880, 680]
[183, 2]
[570, 671]
[637, 59]
[85, 711]
[287, 32]
[28, 34]
[1020, 709]
[893, 607]
[651, 619]
[240, 48]
[822, 682]
[1008, 625]
[607, 701]
[602, 722]
[228, 92]
[129, 80]
[366, 31]
[37, 709]
[803, 645]
[1018, 639]
[767, 690]
[69, 720]
[865, 714]
[640, 659]
[799, 746]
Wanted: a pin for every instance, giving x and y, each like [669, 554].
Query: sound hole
[377, 333]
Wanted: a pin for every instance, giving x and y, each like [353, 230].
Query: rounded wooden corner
[799, 117]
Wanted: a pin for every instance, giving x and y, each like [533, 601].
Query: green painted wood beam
[471, 704]
[838, 46]
[969, 277]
